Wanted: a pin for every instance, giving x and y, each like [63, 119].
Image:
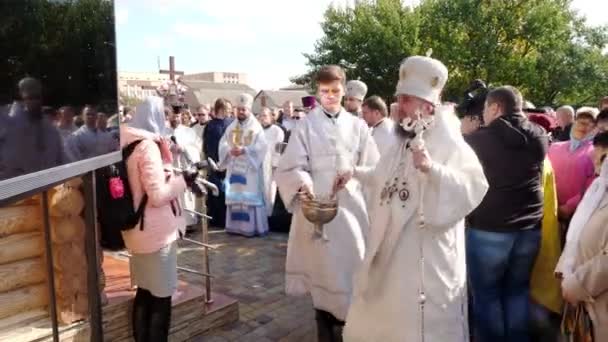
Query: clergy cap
[422, 77]
[309, 102]
[245, 100]
[356, 89]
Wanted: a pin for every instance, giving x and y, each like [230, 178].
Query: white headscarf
[590, 202]
[150, 116]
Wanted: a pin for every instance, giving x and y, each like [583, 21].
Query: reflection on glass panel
[58, 88]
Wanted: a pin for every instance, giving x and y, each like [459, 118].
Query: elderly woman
[152, 243]
[584, 262]
[572, 163]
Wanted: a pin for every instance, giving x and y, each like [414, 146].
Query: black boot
[325, 331]
[160, 319]
[141, 315]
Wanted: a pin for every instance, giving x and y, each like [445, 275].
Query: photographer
[471, 108]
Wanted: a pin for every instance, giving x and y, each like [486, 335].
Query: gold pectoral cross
[238, 138]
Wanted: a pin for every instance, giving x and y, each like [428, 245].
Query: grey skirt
[156, 272]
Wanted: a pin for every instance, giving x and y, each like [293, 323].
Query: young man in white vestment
[243, 154]
[186, 150]
[412, 283]
[319, 159]
[382, 128]
[274, 135]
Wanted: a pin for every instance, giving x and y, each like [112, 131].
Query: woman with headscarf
[572, 163]
[153, 247]
[583, 265]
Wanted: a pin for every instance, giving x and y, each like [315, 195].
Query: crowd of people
[491, 227]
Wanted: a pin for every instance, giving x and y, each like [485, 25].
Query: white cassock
[384, 135]
[317, 146]
[199, 130]
[274, 135]
[387, 286]
[245, 202]
[186, 138]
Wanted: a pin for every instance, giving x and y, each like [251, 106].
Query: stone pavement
[252, 270]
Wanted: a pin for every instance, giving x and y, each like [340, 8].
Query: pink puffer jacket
[163, 215]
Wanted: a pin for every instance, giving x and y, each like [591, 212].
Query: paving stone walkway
[252, 270]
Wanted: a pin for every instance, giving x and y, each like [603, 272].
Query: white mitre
[245, 101]
[356, 89]
[422, 77]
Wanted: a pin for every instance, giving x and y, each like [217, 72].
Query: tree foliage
[68, 44]
[542, 47]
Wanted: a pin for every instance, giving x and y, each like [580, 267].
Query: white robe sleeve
[368, 158]
[457, 187]
[256, 152]
[293, 170]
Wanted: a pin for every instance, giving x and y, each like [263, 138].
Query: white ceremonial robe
[384, 135]
[187, 140]
[274, 135]
[199, 130]
[322, 268]
[386, 296]
[245, 202]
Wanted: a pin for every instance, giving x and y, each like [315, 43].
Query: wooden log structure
[20, 219]
[21, 273]
[23, 299]
[21, 246]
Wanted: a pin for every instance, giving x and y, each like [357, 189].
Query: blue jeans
[499, 267]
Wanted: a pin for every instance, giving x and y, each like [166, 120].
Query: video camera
[474, 100]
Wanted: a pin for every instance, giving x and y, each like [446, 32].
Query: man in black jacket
[503, 237]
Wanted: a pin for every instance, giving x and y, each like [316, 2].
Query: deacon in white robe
[186, 151]
[243, 154]
[274, 135]
[375, 114]
[324, 145]
[412, 284]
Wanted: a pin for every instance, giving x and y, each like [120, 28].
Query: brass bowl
[319, 212]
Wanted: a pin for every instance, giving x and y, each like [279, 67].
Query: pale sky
[263, 38]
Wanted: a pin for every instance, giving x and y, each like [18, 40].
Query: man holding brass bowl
[327, 237]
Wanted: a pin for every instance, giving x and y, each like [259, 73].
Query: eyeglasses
[327, 92]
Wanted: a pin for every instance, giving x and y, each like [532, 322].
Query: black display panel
[58, 91]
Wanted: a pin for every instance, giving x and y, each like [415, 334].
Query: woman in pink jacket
[153, 263]
[572, 163]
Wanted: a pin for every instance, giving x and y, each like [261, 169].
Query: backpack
[115, 209]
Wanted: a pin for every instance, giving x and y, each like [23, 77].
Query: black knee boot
[140, 316]
[160, 319]
[329, 328]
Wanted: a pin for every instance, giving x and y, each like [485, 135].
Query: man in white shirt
[382, 128]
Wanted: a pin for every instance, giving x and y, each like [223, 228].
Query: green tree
[368, 41]
[69, 45]
[540, 46]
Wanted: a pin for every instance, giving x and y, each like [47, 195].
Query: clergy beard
[266, 126]
[403, 134]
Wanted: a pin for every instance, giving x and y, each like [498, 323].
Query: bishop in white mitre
[319, 158]
[274, 137]
[243, 154]
[412, 283]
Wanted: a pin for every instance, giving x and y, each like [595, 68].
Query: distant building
[276, 98]
[139, 85]
[218, 77]
[203, 92]
[297, 87]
